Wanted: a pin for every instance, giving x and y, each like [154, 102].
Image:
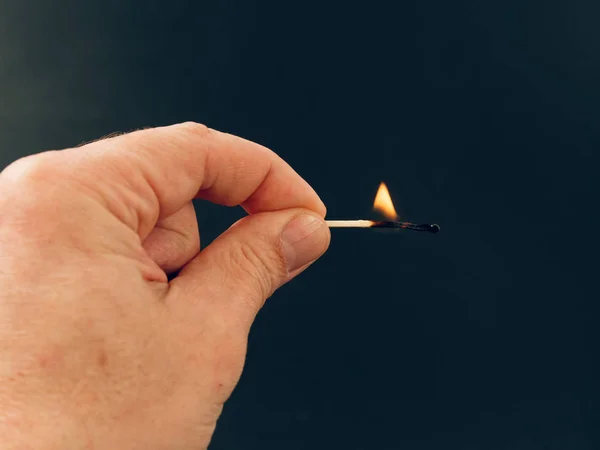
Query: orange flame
[383, 203]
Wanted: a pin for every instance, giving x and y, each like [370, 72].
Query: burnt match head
[406, 225]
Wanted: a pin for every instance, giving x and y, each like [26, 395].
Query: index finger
[167, 167]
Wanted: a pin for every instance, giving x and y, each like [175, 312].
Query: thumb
[247, 263]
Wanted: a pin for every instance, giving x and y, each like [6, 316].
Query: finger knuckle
[263, 266]
[196, 129]
[33, 169]
[185, 244]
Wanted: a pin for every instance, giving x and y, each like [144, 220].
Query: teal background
[481, 116]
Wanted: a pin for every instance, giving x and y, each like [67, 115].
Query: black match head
[434, 228]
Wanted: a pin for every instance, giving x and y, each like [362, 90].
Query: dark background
[481, 116]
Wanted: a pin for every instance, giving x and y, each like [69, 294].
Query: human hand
[98, 349]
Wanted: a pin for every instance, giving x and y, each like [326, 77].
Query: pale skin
[116, 331]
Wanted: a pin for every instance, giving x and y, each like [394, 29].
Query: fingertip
[305, 238]
[321, 209]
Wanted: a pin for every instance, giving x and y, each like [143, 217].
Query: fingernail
[304, 240]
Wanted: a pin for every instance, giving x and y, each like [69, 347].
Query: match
[433, 228]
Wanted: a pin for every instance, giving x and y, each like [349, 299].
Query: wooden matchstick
[434, 228]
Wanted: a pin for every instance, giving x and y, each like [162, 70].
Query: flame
[383, 203]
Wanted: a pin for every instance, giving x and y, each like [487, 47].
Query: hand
[98, 349]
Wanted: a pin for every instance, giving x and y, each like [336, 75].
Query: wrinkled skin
[116, 332]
